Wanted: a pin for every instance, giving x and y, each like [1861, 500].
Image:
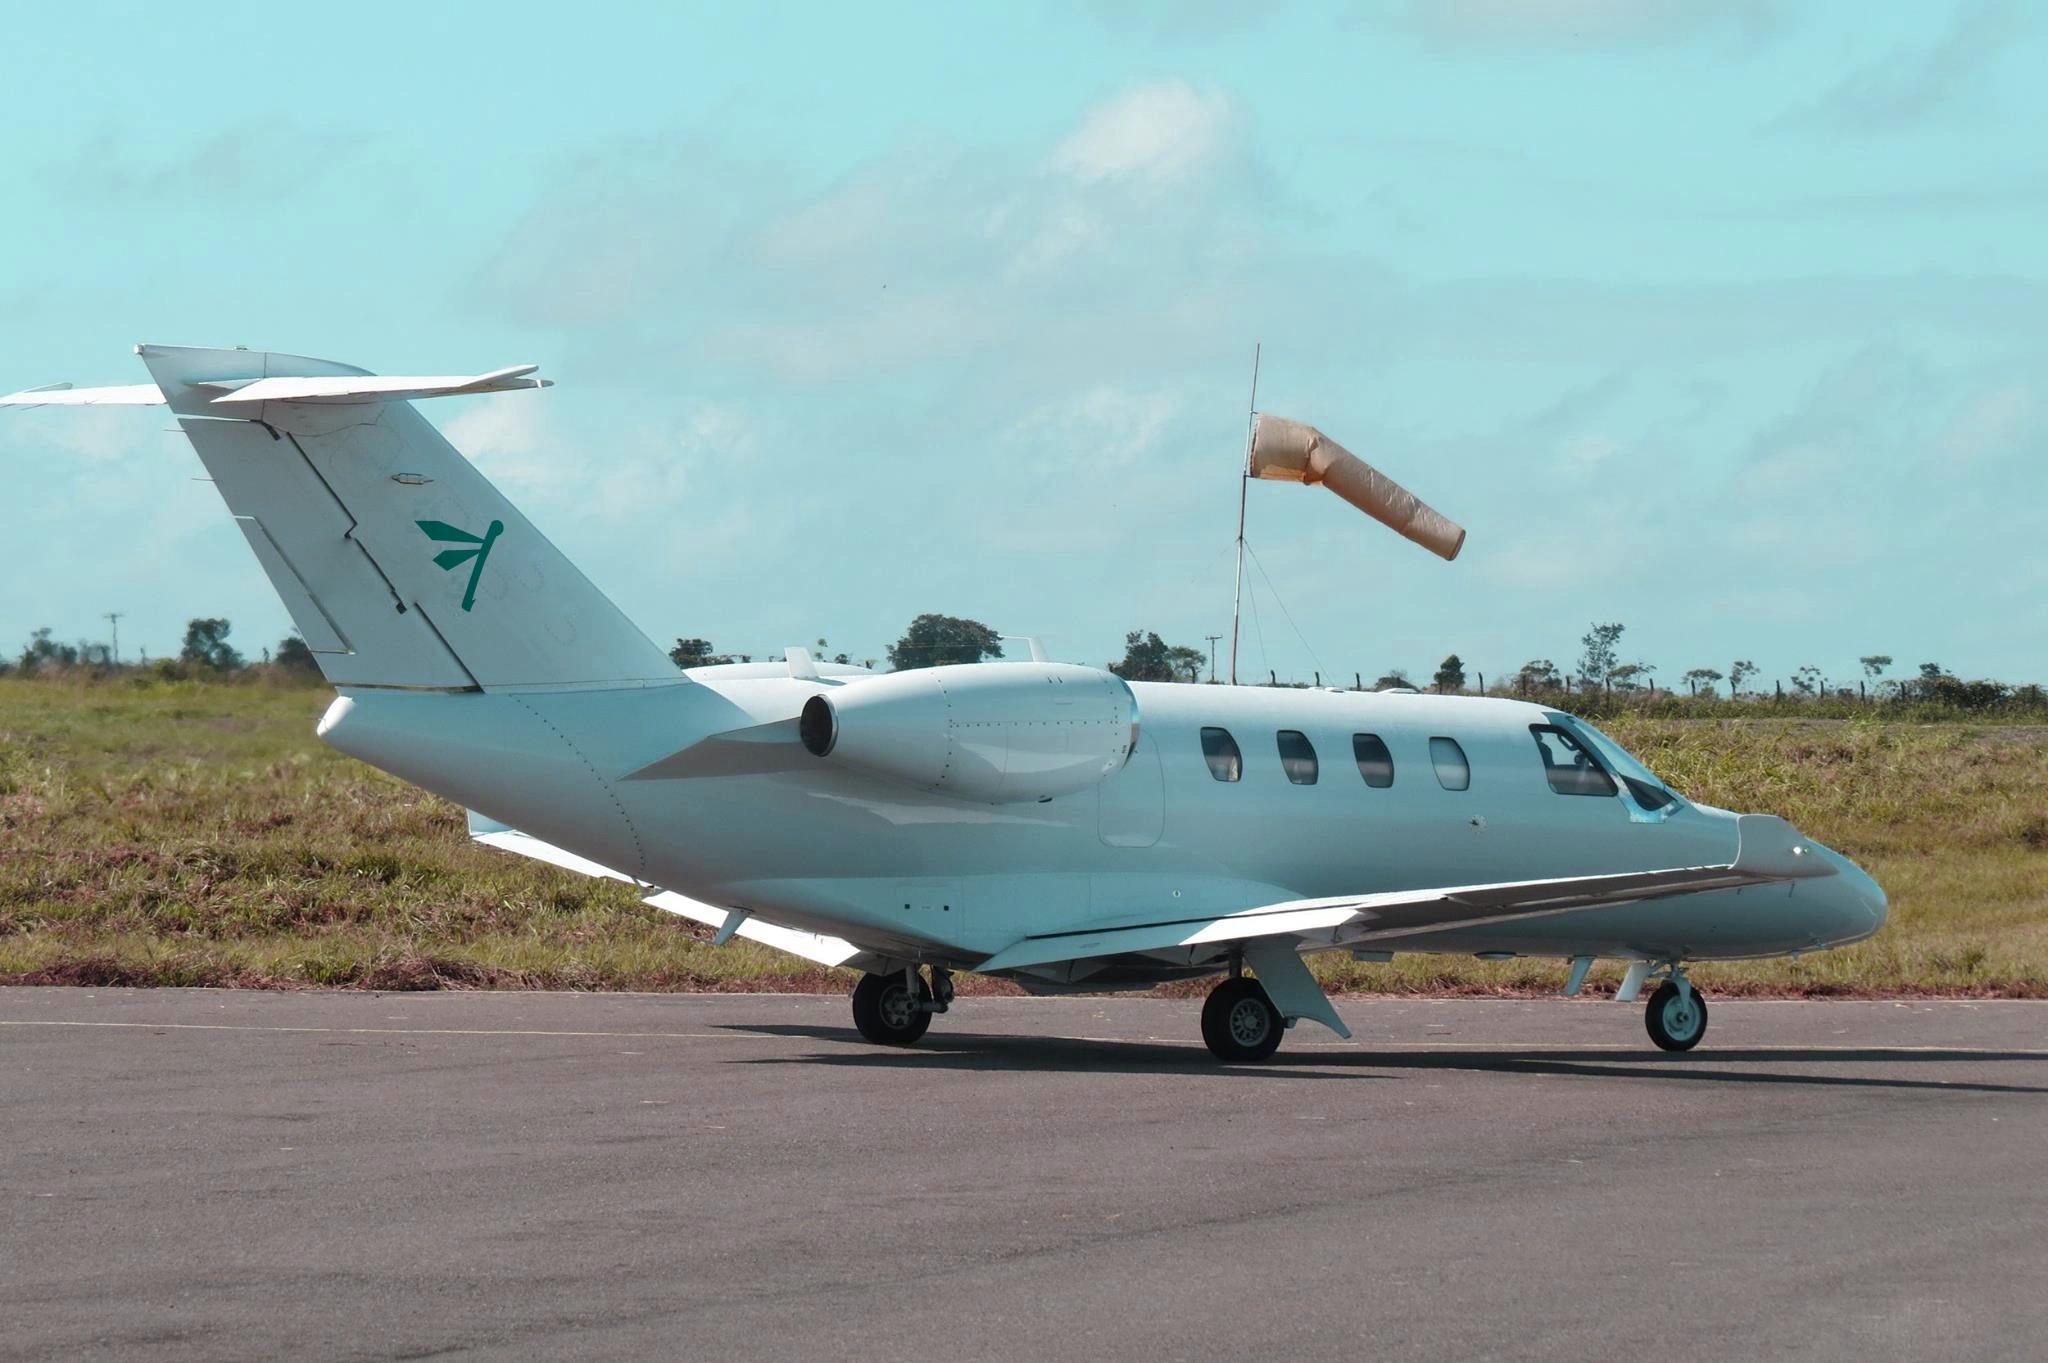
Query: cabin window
[1375, 763]
[1297, 757]
[1453, 772]
[1570, 766]
[1220, 750]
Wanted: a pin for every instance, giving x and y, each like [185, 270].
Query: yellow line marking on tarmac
[742, 1034]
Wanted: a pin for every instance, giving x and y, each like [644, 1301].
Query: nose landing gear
[1677, 1014]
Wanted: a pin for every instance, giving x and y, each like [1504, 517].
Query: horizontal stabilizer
[235, 396]
[64, 395]
[358, 388]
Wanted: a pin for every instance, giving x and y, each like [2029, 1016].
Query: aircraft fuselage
[947, 880]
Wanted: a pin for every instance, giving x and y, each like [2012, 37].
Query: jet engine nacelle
[1003, 733]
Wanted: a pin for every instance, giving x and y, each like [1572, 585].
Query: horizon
[1723, 323]
[1654, 677]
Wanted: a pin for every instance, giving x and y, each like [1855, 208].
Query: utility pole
[113, 618]
[1212, 638]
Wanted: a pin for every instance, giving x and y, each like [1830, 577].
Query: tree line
[205, 652]
[1603, 677]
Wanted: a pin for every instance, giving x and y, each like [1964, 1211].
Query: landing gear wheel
[1240, 1023]
[1675, 1023]
[887, 1013]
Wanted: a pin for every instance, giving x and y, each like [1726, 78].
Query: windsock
[1287, 451]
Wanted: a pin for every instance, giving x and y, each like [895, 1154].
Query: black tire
[1672, 1027]
[1240, 1023]
[886, 1013]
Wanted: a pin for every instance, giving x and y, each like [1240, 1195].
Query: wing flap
[811, 946]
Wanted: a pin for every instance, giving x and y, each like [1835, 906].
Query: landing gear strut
[1677, 1014]
[888, 1012]
[1240, 1022]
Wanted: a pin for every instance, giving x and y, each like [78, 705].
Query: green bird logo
[444, 533]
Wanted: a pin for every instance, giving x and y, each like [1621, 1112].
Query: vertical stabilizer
[399, 562]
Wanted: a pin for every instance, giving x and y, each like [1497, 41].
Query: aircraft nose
[1862, 900]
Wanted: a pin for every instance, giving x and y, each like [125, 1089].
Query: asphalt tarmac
[225, 1175]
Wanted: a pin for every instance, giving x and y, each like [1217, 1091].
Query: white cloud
[1992, 424]
[1913, 84]
[1582, 23]
[1160, 132]
[512, 440]
[1104, 427]
[98, 435]
[265, 158]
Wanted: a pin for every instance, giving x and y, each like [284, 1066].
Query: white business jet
[1043, 822]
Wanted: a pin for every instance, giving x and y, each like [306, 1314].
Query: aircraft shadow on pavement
[1009, 1051]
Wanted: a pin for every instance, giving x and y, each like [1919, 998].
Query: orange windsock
[1287, 451]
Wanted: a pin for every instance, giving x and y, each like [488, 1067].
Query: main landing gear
[895, 1007]
[1240, 1022]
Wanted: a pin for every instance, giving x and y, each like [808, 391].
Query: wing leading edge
[1769, 850]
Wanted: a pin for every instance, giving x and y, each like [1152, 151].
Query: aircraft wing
[827, 951]
[1769, 850]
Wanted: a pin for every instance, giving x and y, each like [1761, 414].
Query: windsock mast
[1244, 484]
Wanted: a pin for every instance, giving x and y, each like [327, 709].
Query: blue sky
[1727, 321]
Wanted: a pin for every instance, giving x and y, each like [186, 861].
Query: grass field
[188, 833]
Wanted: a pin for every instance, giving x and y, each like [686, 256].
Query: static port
[817, 728]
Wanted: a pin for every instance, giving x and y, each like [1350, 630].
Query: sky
[1728, 322]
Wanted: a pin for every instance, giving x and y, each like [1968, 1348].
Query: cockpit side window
[1298, 757]
[1569, 764]
[1649, 799]
[1226, 763]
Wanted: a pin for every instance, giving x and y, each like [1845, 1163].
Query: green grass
[173, 832]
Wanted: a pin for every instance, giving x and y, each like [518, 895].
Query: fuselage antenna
[1244, 482]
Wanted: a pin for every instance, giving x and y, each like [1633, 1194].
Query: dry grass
[185, 833]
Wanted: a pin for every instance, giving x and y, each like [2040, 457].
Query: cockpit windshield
[1647, 792]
